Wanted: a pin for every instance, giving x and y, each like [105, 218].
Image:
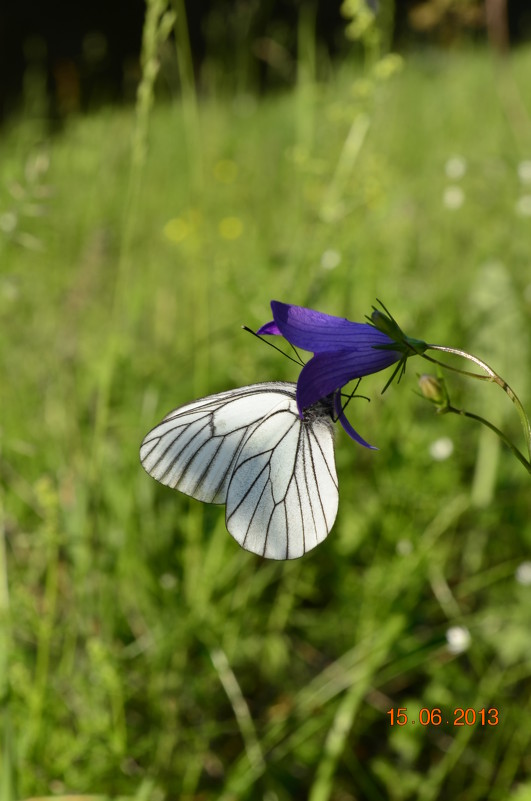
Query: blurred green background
[143, 654]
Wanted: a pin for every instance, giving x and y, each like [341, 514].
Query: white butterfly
[249, 448]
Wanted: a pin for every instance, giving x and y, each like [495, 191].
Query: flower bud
[433, 389]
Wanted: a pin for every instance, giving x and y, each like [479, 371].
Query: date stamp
[440, 717]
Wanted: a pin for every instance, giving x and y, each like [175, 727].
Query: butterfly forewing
[194, 448]
[250, 449]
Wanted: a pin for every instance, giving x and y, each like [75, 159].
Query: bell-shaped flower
[342, 350]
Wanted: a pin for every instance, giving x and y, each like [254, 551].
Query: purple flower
[342, 350]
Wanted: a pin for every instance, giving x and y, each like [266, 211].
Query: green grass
[143, 654]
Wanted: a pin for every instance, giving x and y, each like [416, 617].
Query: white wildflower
[523, 573]
[523, 206]
[455, 167]
[458, 639]
[330, 259]
[453, 197]
[524, 172]
[441, 449]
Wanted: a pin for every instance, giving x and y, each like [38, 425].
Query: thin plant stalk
[521, 458]
[492, 377]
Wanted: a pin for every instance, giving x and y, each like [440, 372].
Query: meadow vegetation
[143, 654]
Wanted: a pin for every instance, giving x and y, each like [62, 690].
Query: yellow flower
[176, 229]
[230, 228]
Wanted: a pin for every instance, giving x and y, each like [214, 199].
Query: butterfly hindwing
[282, 498]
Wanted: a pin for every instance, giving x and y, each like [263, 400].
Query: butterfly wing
[282, 496]
[195, 448]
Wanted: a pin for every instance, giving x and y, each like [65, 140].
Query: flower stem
[492, 377]
[521, 458]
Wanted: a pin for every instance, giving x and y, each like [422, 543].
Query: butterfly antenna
[352, 394]
[298, 360]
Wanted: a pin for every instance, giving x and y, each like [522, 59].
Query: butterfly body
[248, 448]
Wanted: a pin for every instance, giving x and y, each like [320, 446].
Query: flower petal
[327, 372]
[269, 328]
[317, 332]
[353, 434]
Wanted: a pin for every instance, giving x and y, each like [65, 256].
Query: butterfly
[249, 449]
